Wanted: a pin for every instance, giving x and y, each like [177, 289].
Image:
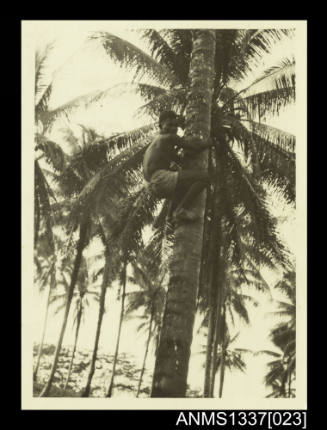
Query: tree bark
[171, 367]
[51, 287]
[77, 264]
[145, 355]
[102, 300]
[78, 324]
[122, 309]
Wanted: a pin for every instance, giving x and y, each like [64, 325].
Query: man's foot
[185, 215]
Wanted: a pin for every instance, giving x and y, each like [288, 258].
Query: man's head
[168, 122]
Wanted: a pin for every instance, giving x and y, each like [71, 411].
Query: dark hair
[167, 114]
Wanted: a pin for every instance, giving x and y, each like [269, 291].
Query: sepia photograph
[164, 202]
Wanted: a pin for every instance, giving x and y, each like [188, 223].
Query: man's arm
[195, 143]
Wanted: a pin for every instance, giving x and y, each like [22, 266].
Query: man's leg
[190, 184]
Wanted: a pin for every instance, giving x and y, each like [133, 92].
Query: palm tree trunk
[37, 220]
[209, 352]
[290, 384]
[215, 261]
[216, 342]
[102, 300]
[145, 355]
[212, 338]
[223, 353]
[80, 247]
[171, 367]
[51, 287]
[78, 324]
[111, 386]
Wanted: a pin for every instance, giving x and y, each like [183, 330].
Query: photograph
[164, 214]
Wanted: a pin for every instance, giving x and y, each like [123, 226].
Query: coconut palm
[230, 358]
[232, 303]
[281, 370]
[232, 113]
[93, 180]
[172, 359]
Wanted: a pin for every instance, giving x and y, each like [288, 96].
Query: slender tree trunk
[78, 324]
[223, 353]
[171, 367]
[102, 300]
[206, 269]
[80, 247]
[145, 355]
[290, 384]
[215, 287]
[209, 352]
[51, 287]
[37, 220]
[213, 326]
[122, 309]
[216, 342]
[218, 336]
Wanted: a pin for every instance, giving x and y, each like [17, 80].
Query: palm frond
[136, 211]
[181, 43]
[251, 45]
[54, 155]
[279, 138]
[174, 99]
[161, 51]
[260, 222]
[127, 139]
[109, 177]
[41, 87]
[275, 166]
[267, 352]
[273, 90]
[48, 117]
[132, 57]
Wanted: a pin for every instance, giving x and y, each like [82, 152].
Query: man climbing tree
[161, 167]
[171, 367]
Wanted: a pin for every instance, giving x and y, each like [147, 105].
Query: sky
[79, 67]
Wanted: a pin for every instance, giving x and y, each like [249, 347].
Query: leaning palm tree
[80, 302]
[83, 232]
[49, 274]
[123, 279]
[106, 279]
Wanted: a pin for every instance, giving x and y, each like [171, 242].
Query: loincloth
[163, 183]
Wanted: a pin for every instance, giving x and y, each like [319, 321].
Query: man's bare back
[160, 154]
